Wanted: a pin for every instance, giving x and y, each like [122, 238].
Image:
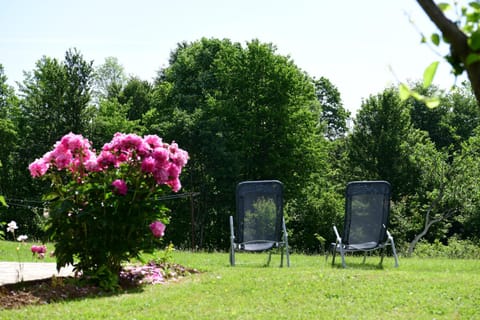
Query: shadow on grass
[54, 290]
[61, 289]
[356, 262]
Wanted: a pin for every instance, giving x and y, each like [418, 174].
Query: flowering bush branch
[104, 208]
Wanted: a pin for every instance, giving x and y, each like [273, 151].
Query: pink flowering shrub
[104, 207]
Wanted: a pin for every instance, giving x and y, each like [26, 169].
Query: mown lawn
[309, 289]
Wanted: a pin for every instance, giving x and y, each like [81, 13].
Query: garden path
[10, 271]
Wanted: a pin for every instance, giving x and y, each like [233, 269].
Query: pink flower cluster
[120, 186]
[39, 251]
[157, 228]
[148, 274]
[71, 152]
[164, 162]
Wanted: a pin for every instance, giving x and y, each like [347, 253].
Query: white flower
[22, 238]
[12, 226]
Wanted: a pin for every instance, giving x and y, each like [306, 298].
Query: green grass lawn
[309, 289]
[20, 251]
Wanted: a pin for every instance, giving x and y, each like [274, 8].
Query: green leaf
[474, 41]
[429, 73]
[435, 37]
[432, 102]
[417, 96]
[474, 5]
[472, 58]
[404, 91]
[2, 201]
[50, 196]
[444, 6]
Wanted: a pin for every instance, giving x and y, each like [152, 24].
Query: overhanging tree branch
[458, 42]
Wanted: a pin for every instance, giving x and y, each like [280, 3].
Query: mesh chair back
[367, 212]
[259, 210]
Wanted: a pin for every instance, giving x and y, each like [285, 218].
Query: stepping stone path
[12, 272]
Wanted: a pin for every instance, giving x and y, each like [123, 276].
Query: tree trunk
[417, 238]
[428, 222]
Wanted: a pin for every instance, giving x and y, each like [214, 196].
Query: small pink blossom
[158, 229]
[75, 142]
[153, 140]
[120, 186]
[160, 155]
[148, 165]
[38, 168]
[92, 165]
[160, 175]
[39, 251]
[105, 159]
[175, 184]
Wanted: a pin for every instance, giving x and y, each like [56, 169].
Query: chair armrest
[339, 239]
[232, 234]
[284, 230]
[389, 236]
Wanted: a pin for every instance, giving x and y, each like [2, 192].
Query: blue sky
[353, 43]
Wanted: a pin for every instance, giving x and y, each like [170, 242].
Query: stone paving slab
[12, 272]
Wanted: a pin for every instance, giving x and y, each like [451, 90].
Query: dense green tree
[77, 94]
[463, 116]
[465, 188]
[109, 80]
[431, 120]
[382, 124]
[334, 115]
[423, 212]
[243, 113]
[8, 135]
[137, 94]
[111, 117]
[55, 99]
[452, 121]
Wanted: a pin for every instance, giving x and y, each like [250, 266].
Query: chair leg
[281, 256]
[393, 248]
[232, 243]
[232, 257]
[342, 253]
[285, 242]
[334, 253]
[287, 253]
[394, 253]
[269, 258]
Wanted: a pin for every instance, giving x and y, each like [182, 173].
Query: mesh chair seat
[372, 245]
[257, 246]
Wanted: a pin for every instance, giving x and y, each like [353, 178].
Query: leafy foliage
[374, 147]
[333, 114]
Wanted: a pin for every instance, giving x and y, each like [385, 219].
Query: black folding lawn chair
[367, 210]
[260, 221]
